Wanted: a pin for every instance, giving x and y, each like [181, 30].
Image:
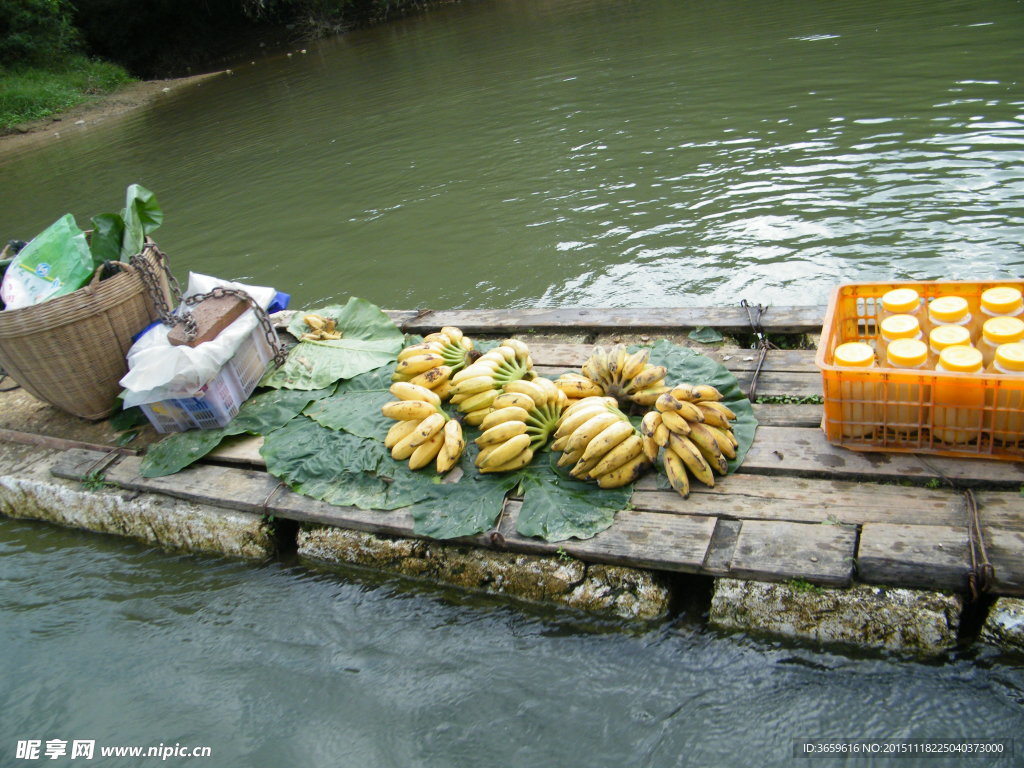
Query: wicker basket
[70, 351]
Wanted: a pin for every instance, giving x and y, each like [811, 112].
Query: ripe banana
[452, 448]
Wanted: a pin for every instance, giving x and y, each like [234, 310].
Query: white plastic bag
[158, 371]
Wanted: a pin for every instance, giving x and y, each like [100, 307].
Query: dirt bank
[98, 110]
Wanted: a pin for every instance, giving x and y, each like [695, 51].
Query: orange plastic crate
[886, 409]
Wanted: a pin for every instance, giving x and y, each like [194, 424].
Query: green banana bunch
[520, 422]
[476, 387]
[423, 432]
[695, 429]
[599, 441]
[432, 363]
[626, 376]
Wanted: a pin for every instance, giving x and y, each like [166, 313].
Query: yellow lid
[1003, 330]
[1010, 357]
[943, 336]
[1004, 300]
[948, 309]
[900, 327]
[901, 300]
[906, 353]
[960, 359]
[854, 354]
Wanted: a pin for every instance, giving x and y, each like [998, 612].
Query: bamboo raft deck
[799, 508]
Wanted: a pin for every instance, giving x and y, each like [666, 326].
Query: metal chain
[261, 315]
[150, 278]
[763, 344]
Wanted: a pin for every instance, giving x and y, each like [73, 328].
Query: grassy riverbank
[32, 93]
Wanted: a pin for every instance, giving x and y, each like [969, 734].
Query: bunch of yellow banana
[577, 386]
[423, 432]
[475, 388]
[432, 363]
[695, 429]
[598, 439]
[521, 421]
[626, 376]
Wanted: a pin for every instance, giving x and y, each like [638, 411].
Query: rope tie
[982, 573]
[266, 501]
[754, 314]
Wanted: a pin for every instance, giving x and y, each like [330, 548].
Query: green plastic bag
[56, 262]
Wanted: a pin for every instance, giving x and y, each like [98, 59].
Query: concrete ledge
[625, 592]
[1004, 626]
[28, 491]
[876, 617]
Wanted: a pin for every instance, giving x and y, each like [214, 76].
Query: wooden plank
[777, 551]
[572, 319]
[787, 415]
[723, 542]
[922, 556]
[829, 502]
[572, 356]
[639, 539]
[805, 452]
[1006, 553]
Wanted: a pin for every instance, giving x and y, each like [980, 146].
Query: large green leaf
[141, 215]
[260, 415]
[106, 238]
[558, 507]
[685, 364]
[369, 340]
[355, 405]
[463, 508]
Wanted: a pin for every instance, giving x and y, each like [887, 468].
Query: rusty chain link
[151, 279]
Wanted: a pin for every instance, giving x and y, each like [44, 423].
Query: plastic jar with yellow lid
[903, 301]
[998, 331]
[1002, 301]
[946, 336]
[897, 327]
[958, 401]
[1007, 413]
[861, 411]
[906, 396]
[953, 310]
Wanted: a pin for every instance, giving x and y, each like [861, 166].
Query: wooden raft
[799, 508]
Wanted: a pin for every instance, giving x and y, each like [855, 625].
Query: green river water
[514, 153]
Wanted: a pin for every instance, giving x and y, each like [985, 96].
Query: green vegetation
[29, 93]
[44, 70]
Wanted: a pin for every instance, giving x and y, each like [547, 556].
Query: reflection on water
[584, 153]
[277, 665]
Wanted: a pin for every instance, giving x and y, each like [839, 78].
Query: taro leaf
[334, 466]
[259, 415]
[688, 365]
[355, 405]
[106, 238]
[141, 215]
[558, 507]
[705, 335]
[463, 508]
[369, 340]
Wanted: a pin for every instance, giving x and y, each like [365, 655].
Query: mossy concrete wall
[626, 592]
[878, 617]
[1004, 625]
[29, 491]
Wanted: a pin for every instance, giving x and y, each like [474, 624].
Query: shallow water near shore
[581, 153]
[272, 665]
[513, 154]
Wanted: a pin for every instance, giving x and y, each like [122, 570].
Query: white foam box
[216, 402]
